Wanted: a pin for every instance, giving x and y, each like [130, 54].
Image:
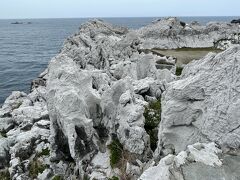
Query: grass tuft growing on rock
[86, 177]
[114, 178]
[57, 177]
[4, 174]
[119, 159]
[3, 134]
[179, 71]
[36, 167]
[152, 116]
[116, 150]
[45, 152]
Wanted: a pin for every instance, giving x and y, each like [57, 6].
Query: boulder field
[109, 107]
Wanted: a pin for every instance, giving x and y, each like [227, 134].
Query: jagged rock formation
[92, 113]
[171, 34]
[202, 105]
[199, 161]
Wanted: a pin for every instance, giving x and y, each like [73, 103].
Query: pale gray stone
[202, 105]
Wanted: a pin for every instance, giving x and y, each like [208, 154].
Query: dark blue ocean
[25, 49]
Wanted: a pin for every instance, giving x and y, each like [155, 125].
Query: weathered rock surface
[203, 104]
[171, 34]
[86, 114]
[199, 161]
[22, 136]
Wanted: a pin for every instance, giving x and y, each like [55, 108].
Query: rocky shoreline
[109, 107]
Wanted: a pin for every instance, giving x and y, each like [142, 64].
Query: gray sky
[116, 8]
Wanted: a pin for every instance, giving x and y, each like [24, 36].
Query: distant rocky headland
[157, 103]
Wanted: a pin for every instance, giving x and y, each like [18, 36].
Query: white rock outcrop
[199, 161]
[94, 112]
[170, 33]
[203, 105]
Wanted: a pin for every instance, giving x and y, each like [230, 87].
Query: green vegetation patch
[3, 133]
[152, 116]
[116, 152]
[36, 167]
[45, 152]
[179, 71]
[114, 178]
[86, 177]
[5, 175]
[57, 177]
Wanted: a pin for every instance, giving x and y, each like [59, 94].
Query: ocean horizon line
[115, 17]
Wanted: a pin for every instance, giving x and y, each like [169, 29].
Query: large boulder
[73, 107]
[123, 115]
[203, 105]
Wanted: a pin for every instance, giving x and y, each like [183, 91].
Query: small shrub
[116, 150]
[179, 71]
[152, 116]
[85, 177]
[36, 167]
[45, 152]
[3, 133]
[57, 177]
[114, 178]
[5, 175]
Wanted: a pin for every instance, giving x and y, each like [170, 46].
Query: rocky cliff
[108, 107]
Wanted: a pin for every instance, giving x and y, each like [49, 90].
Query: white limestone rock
[96, 90]
[100, 166]
[47, 174]
[203, 104]
[199, 161]
[14, 101]
[133, 171]
[159, 172]
[168, 33]
[26, 140]
[123, 115]
[30, 114]
[72, 102]
[6, 124]
[206, 153]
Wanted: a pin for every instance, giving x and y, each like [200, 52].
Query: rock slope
[108, 108]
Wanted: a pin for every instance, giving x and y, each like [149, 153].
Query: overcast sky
[116, 8]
